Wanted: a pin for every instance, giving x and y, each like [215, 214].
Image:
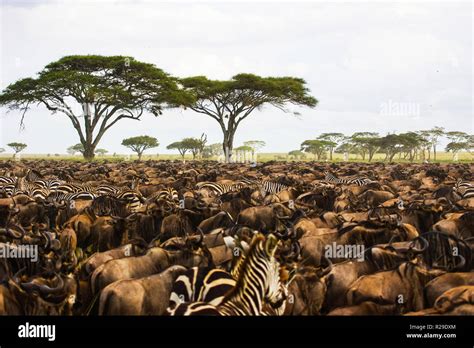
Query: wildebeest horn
[281, 235]
[11, 232]
[201, 234]
[46, 290]
[322, 272]
[296, 248]
[43, 289]
[424, 245]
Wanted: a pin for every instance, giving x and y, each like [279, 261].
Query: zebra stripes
[168, 195]
[265, 186]
[359, 181]
[259, 283]
[200, 284]
[464, 189]
[272, 187]
[220, 189]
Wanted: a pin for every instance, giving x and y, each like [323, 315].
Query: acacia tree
[195, 145]
[101, 152]
[230, 102]
[2, 149]
[17, 147]
[140, 143]
[334, 138]
[297, 154]
[433, 135]
[108, 89]
[75, 148]
[212, 150]
[365, 143]
[460, 141]
[411, 143]
[180, 146]
[316, 147]
[391, 144]
[255, 145]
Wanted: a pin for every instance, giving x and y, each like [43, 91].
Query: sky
[377, 66]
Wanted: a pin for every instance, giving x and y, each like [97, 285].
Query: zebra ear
[271, 244]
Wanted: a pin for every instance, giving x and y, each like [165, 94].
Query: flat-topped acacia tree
[17, 147]
[95, 92]
[140, 143]
[230, 102]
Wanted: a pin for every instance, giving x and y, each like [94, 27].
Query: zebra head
[275, 287]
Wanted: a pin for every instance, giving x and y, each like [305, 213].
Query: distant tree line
[408, 146]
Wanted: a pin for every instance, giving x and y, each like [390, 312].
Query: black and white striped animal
[222, 188]
[166, 195]
[464, 188]
[200, 284]
[271, 187]
[359, 181]
[259, 284]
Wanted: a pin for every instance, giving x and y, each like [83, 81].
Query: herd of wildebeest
[207, 238]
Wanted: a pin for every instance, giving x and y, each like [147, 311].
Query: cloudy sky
[374, 66]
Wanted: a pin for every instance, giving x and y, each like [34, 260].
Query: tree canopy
[75, 148]
[101, 152]
[108, 88]
[255, 145]
[296, 154]
[180, 146]
[17, 147]
[140, 143]
[334, 139]
[244, 148]
[230, 102]
[316, 147]
[212, 150]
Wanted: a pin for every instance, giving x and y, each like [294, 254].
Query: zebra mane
[239, 270]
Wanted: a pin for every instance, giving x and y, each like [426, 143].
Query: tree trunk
[330, 154]
[88, 152]
[371, 155]
[140, 156]
[227, 145]
[434, 153]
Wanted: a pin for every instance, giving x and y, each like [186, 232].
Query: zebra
[68, 198]
[359, 181]
[8, 180]
[165, 195]
[133, 198]
[73, 188]
[220, 189]
[106, 189]
[11, 190]
[200, 284]
[271, 187]
[259, 282]
[464, 189]
[50, 184]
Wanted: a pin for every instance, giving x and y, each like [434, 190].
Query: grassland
[262, 157]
